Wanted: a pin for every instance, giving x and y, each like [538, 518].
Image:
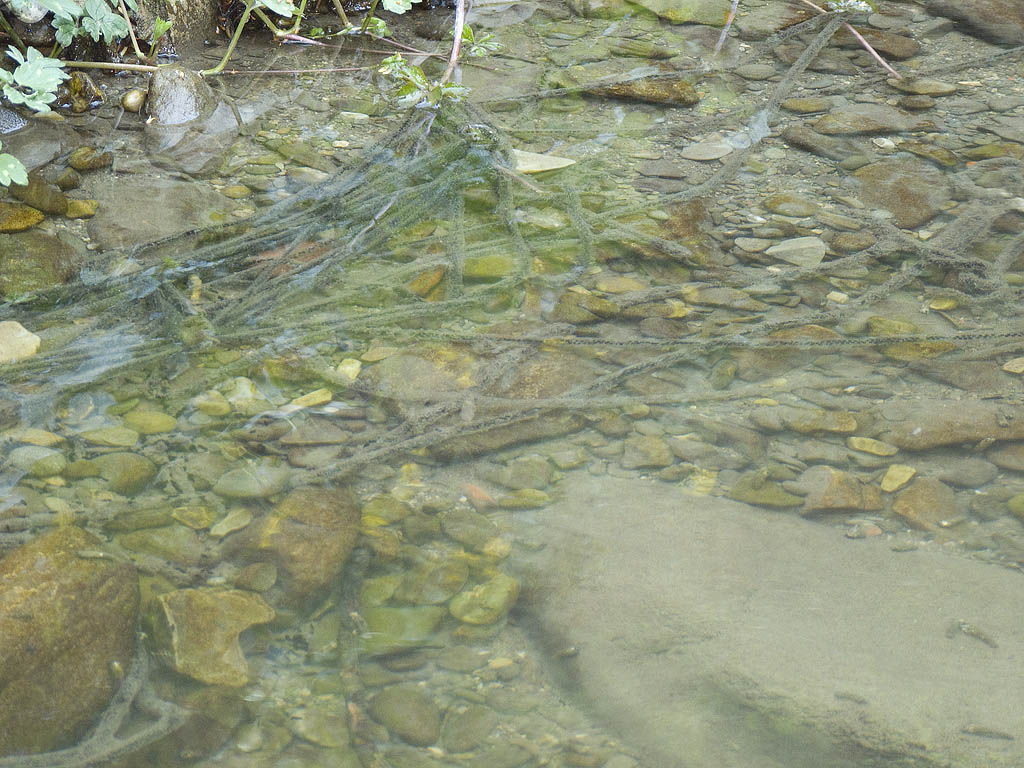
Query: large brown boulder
[67, 620]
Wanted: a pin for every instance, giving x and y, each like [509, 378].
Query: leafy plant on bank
[33, 83]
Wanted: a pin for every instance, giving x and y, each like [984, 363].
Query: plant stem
[234, 41]
[131, 30]
[6, 26]
[369, 15]
[861, 40]
[341, 12]
[460, 23]
[112, 67]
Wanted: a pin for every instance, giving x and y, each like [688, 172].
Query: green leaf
[12, 169]
[397, 6]
[284, 8]
[62, 9]
[65, 30]
[36, 71]
[132, 5]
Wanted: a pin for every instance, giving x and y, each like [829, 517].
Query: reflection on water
[699, 449]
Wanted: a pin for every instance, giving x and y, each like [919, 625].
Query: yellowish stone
[82, 209]
[531, 162]
[112, 437]
[679, 308]
[150, 422]
[1014, 366]
[896, 477]
[349, 368]
[918, 350]
[196, 516]
[376, 353]
[314, 398]
[41, 437]
[943, 303]
[212, 403]
[618, 284]
[868, 445]
[236, 519]
[16, 343]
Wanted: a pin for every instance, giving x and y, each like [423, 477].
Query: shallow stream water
[700, 445]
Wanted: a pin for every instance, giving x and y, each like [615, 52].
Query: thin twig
[112, 67]
[725, 29]
[460, 22]
[860, 39]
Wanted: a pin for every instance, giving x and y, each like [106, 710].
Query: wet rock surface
[67, 613]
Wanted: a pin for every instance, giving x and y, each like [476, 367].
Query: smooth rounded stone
[64, 620]
[532, 471]
[470, 529]
[1009, 456]
[396, 629]
[646, 451]
[255, 481]
[789, 204]
[125, 473]
[432, 583]
[245, 398]
[17, 217]
[832, 490]
[671, 91]
[966, 472]
[926, 504]
[211, 403]
[465, 729]
[88, 159]
[601, 9]
[198, 517]
[16, 342]
[889, 44]
[922, 86]
[533, 162]
[933, 422]
[807, 105]
[524, 498]
[710, 12]
[803, 137]
[173, 543]
[177, 95]
[800, 251]
[912, 190]
[752, 244]
[134, 99]
[872, 446]
[756, 487]
[574, 307]
[111, 437]
[860, 119]
[486, 603]
[755, 71]
[1000, 21]
[197, 630]
[37, 460]
[409, 713]
[587, 591]
[325, 728]
[852, 242]
[82, 209]
[309, 536]
[707, 150]
[40, 194]
[149, 422]
[916, 103]
[897, 476]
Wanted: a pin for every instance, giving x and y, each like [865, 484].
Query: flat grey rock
[711, 633]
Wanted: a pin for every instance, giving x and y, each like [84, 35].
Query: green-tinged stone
[150, 422]
[197, 631]
[174, 543]
[81, 468]
[65, 620]
[257, 577]
[16, 217]
[470, 529]
[88, 159]
[318, 726]
[884, 326]
[38, 460]
[488, 268]
[111, 437]
[211, 403]
[710, 12]
[1016, 506]
[236, 519]
[486, 603]
[125, 473]
[395, 629]
[432, 583]
[40, 194]
[467, 729]
[195, 516]
[255, 481]
[386, 508]
[755, 488]
[409, 713]
[525, 498]
[236, 192]
[378, 590]
[918, 350]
